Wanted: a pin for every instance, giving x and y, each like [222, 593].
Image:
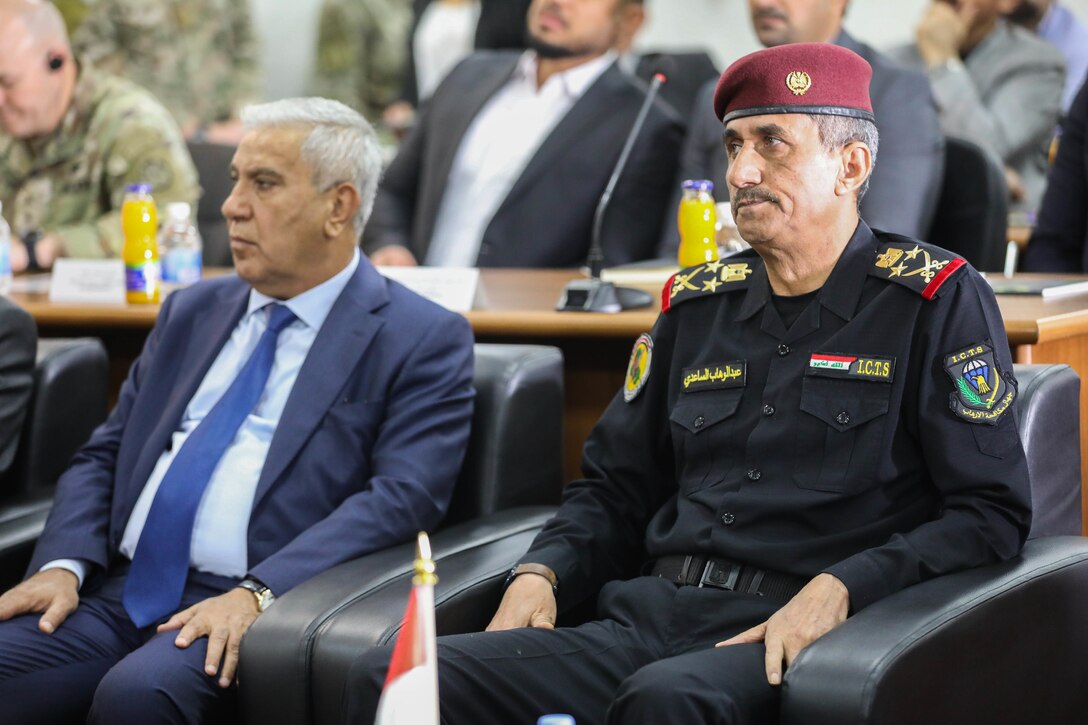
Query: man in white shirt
[277, 423]
[509, 159]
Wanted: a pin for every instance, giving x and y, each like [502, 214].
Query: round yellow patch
[638, 369]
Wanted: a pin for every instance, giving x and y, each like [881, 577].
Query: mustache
[769, 14]
[753, 194]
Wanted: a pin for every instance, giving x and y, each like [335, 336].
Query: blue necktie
[160, 563]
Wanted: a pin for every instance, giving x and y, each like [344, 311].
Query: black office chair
[686, 74]
[958, 648]
[213, 168]
[972, 215]
[68, 401]
[295, 658]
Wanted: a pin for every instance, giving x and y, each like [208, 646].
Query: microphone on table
[593, 294]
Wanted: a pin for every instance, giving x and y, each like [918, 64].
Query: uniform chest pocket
[705, 441]
[840, 433]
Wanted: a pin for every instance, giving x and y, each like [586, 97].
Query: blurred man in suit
[995, 84]
[1056, 24]
[276, 424]
[509, 158]
[903, 193]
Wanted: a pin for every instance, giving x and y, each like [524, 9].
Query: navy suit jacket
[365, 454]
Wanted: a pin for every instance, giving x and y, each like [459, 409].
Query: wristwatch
[263, 594]
[540, 569]
[30, 241]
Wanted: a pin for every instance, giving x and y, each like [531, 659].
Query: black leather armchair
[295, 658]
[68, 400]
[927, 654]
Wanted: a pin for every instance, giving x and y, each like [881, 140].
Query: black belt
[730, 575]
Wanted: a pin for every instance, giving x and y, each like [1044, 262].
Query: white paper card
[88, 281]
[452, 287]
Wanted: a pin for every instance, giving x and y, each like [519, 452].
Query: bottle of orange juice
[140, 224]
[697, 218]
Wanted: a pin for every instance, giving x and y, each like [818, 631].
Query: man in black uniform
[808, 428]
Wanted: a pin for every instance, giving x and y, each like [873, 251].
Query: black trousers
[649, 658]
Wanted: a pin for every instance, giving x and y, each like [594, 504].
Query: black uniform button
[768, 409]
[755, 474]
[699, 422]
[843, 418]
[783, 350]
[728, 519]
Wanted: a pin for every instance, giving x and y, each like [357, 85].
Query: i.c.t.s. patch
[981, 393]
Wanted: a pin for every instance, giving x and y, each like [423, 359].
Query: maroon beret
[813, 78]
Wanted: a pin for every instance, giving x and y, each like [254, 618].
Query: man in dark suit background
[18, 344]
[903, 191]
[510, 156]
[276, 424]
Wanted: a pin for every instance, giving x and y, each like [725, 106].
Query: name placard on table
[452, 287]
[88, 281]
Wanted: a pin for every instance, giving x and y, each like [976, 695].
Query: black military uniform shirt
[875, 439]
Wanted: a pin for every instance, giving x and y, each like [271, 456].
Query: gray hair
[837, 131]
[341, 146]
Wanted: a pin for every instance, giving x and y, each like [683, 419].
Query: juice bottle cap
[697, 185]
[138, 189]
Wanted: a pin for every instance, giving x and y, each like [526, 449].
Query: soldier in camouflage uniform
[71, 139]
[199, 57]
[361, 48]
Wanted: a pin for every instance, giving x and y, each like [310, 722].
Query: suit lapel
[340, 344]
[214, 325]
[585, 112]
[455, 124]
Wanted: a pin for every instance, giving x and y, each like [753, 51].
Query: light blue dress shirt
[222, 520]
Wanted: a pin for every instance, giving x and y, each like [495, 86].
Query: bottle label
[143, 278]
[181, 266]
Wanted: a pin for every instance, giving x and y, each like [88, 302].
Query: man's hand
[55, 592]
[941, 33]
[528, 602]
[816, 610]
[393, 256]
[223, 620]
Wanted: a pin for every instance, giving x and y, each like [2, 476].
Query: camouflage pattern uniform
[361, 50]
[72, 182]
[198, 57]
[73, 12]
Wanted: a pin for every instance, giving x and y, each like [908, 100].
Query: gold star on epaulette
[922, 268]
[710, 278]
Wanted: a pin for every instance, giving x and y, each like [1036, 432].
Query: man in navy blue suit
[276, 424]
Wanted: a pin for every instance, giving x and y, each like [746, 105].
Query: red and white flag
[410, 696]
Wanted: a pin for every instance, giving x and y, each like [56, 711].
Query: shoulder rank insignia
[706, 279]
[982, 394]
[638, 369]
[922, 268]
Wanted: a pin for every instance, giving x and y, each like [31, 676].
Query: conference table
[518, 306]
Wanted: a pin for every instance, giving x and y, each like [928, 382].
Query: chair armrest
[295, 658]
[1002, 643]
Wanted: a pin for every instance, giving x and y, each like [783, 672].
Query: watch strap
[530, 568]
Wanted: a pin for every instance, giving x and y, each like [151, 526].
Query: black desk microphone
[593, 295]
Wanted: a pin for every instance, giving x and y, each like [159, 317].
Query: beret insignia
[705, 279]
[798, 82]
[921, 267]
